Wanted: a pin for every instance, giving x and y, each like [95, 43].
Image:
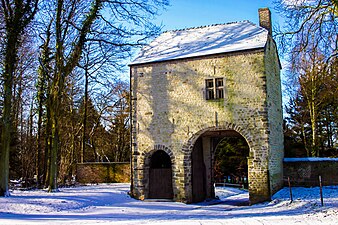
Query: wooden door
[160, 183]
[160, 176]
[198, 173]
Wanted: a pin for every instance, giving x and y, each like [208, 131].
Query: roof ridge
[204, 40]
[210, 25]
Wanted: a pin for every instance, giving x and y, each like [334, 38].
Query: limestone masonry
[185, 102]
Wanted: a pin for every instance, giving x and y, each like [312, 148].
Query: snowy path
[110, 204]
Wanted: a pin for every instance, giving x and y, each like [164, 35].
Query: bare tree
[43, 81]
[16, 17]
[114, 26]
[309, 40]
[308, 22]
[312, 106]
[312, 81]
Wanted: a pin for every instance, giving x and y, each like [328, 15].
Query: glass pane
[219, 82]
[209, 83]
[219, 93]
[210, 94]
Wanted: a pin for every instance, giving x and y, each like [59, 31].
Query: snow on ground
[110, 204]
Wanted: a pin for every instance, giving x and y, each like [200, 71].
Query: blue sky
[194, 13]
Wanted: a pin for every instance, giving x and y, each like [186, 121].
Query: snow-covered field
[110, 204]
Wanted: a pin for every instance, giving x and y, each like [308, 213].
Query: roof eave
[258, 49]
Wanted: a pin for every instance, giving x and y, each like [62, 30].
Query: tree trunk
[48, 142]
[6, 137]
[39, 164]
[84, 135]
[55, 98]
[17, 15]
[55, 104]
[44, 70]
[8, 76]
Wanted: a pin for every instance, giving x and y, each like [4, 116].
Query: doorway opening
[230, 162]
[219, 166]
[230, 169]
[160, 176]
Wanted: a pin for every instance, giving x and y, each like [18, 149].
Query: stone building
[192, 87]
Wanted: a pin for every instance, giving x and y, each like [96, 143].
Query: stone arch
[189, 146]
[225, 126]
[147, 162]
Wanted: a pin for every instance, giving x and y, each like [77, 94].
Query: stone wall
[275, 117]
[103, 172]
[169, 109]
[305, 172]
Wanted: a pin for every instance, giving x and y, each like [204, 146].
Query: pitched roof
[200, 41]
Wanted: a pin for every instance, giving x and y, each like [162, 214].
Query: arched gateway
[200, 150]
[191, 88]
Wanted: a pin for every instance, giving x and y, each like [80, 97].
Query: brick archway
[187, 148]
[146, 165]
[226, 127]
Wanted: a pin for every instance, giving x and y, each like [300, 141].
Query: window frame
[214, 88]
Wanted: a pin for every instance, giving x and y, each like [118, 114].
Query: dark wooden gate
[198, 173]
[160, 176]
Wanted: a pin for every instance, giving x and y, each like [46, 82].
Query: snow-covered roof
[201, 41]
